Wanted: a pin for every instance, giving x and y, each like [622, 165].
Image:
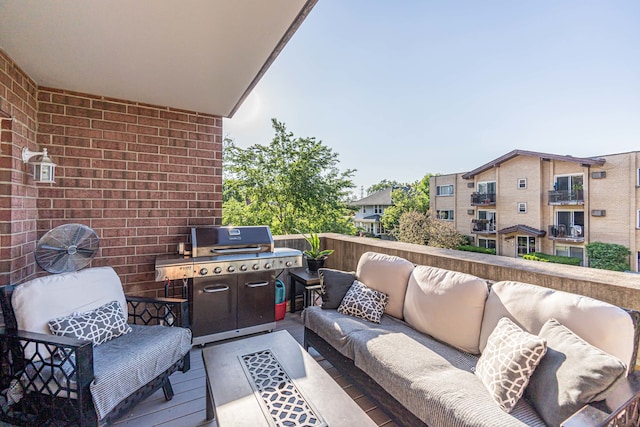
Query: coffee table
[287, 384]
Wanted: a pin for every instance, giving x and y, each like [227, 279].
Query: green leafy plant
[478, 249]
[556, 259]
[608, 256]
[314, 242]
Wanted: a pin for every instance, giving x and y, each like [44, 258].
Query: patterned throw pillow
[363, 302]
[98, 325]
[509, 359]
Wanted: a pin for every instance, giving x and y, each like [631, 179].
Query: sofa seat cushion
[387, 274]
[340, 330]
[434, 381]
[530, 306]
[448, 305]
[124, 364]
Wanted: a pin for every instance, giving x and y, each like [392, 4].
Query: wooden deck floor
[187, 408]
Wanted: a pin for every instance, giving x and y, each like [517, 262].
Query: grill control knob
[203, 271]
[288, 263]
[231, 269]
[243, 267]
[256, 266]
[267, 265]
[217, 270]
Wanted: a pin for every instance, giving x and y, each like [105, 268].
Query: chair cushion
[361, 301]
[98, 326]
[530, 306]
[509, 359]
[388, 274]
[571, 374]
[124, 364]
[447, 305]
[58, 295]
[335, 284]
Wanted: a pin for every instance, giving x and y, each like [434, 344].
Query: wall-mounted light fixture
[44, 170]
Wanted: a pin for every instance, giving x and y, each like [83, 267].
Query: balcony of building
[483, 226]
[562, 232]
[566, 197]
[483, 199]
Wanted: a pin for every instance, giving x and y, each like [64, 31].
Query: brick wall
[139, 175]
[18, 213]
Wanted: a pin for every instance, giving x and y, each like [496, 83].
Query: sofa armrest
[623, 402]
[158, 311]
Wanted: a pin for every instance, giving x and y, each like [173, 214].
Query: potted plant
[314, 256]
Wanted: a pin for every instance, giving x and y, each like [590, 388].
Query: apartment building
[526, 201]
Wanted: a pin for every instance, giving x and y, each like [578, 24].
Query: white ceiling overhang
[199, 55]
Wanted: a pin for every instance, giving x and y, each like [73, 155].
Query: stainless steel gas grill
[229, 280]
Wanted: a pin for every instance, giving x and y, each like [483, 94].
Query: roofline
[584, 161]
[274, 54]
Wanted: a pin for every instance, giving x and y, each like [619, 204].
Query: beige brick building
[526, 202]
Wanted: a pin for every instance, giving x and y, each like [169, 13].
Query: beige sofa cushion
[58, 295]
[447, 305]
[602, 325]
[388, 274]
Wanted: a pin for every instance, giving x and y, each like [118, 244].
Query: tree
[421, 228]
[414, 197]
[291, 184]
[382, 185]
[608, 256]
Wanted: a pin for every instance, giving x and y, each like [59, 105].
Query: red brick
[83, 213]
[153, 140]
[148, 121]
[109, 106]
[119, 136]
[71, 100]
[86, 133]
[113, 252]
[112, 126]
[120, 223]
[143, 222]
[151, 249]
[119, 117]
[143, 148]
[141, 111]
[144, 130]
[109, 145]
[145, 240]
[82, 152]
[83, 112]
[109, 164]
[46, 107]
[118, 232]
[142, 204]
[108, 204]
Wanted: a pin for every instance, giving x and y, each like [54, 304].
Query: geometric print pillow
[98, 325]
[509, 359]
[363, 302]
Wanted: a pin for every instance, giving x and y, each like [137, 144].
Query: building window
[522, 207]
[522, 183]
[444, 190]
[638, 182]
[487, 243]
[488, 187]
[638, 224]
[364, 209]
[570, 223]
[526, 245]
[445, 215]
[572, 251]
[378, 209]
[572, 184]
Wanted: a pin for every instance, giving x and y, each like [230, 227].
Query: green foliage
[420, 228]
[472, 248]
[414, 197]
[383, 185]
[292, 183]
[608, 256]
[314, 251]
[533, 257]
[556, 259]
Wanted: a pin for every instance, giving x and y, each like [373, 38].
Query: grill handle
[256, 284]
[215, 288]
[252, 249]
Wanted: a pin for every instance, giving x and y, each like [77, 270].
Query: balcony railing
[573, 233]
[566, 197]
[483, 199]
[483, 226]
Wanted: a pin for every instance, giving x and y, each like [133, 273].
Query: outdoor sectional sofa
[97, 365]
[419, 363]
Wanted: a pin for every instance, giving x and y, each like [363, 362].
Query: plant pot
[314, 264]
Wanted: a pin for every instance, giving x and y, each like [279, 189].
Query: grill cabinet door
[214, 305]
[256, 298]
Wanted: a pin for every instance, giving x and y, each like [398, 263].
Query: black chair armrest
[622, 405]
[158, 311]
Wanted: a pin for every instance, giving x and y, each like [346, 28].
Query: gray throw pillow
[98, 325]
[572, 374]
[363, 302]
[335, 284]
[507, 362]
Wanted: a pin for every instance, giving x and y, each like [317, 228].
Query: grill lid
[208, 241]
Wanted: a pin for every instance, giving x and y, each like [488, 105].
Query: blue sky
[400, 89]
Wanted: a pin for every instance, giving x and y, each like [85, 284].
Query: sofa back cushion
[59, 295]
[388, 274]
[447, 305]
[601, 324]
